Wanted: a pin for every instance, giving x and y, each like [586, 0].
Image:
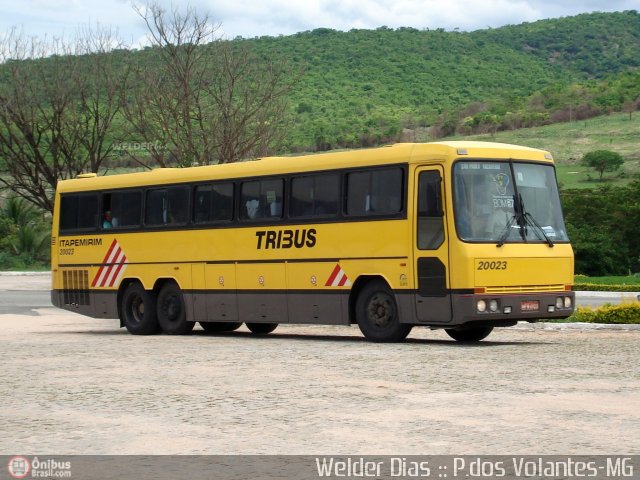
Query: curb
[578, 326]
[602, 294]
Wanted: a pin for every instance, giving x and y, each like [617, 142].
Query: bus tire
[220, 326]
[262, 328]
[471, 334]
[138, 310]
[377, 314]
[172, 314]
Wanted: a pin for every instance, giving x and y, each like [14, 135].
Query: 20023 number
[497, 265]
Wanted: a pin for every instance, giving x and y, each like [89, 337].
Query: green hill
[592, 44]
[363, 87]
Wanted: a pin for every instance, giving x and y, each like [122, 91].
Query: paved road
[23, 302]
[597, 299]
[71, 384]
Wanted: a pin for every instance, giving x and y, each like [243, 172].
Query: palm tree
[28, 236]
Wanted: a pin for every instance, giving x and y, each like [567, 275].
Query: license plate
[530, 306]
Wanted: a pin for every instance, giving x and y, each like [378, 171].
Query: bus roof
[436, 152]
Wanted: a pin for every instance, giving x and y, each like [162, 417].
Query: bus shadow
[306, 337]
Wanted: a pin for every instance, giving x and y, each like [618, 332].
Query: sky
[251, 18]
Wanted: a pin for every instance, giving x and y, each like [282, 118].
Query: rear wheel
[262, 328]
[377, 314]
[220, 326]
[471, 334]
[138, 310]
[172, 315]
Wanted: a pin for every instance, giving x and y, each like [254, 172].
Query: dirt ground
[75, 385]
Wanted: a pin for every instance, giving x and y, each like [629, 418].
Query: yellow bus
[464, 236]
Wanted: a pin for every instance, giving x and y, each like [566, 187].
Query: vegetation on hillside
[367, 87]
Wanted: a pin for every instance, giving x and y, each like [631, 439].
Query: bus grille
[76, 287]
[525, 288]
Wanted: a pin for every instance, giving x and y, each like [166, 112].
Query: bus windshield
[507, 202]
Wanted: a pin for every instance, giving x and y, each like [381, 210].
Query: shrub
[626, 313]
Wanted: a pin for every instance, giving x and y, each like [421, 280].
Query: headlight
[493, 305]
[481, 306]
[567, 302]
[559, 302]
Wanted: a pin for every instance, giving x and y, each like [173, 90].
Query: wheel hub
[380, 311]
[137, 309]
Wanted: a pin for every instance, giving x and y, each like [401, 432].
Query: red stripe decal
[333, 275]
[104, 260]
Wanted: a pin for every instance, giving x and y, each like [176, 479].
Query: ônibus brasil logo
[19, 467]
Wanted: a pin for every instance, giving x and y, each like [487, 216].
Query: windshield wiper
[506, 232]
[532, 221]
[523, 218]
[519, 218]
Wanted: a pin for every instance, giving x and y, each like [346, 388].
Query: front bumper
[512, 307]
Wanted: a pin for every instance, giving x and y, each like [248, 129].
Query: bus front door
[432, 299]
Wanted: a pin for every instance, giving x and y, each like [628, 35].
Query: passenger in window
[496, 223]
[252, 208]
[202, 207]
[107, 221]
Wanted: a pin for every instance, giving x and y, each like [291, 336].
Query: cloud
[274, 17]
[249, 18]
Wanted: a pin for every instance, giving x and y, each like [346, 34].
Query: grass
[629, 283]
[613, 280]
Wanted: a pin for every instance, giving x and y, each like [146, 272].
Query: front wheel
[262, 328]
[377, 314]
[471, 334]
[172, 315]
[138, 310]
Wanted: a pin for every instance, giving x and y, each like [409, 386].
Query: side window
[315, 196]
[375, 192]
[78, 212]
[167, 206]
[261, 199]
[121, 209]
[430, 212]
[213, 203]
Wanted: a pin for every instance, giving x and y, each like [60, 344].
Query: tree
[202, 100]
[602, 225]
[631, 106]
[24, 234]
[57, 103]
[603, 160]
